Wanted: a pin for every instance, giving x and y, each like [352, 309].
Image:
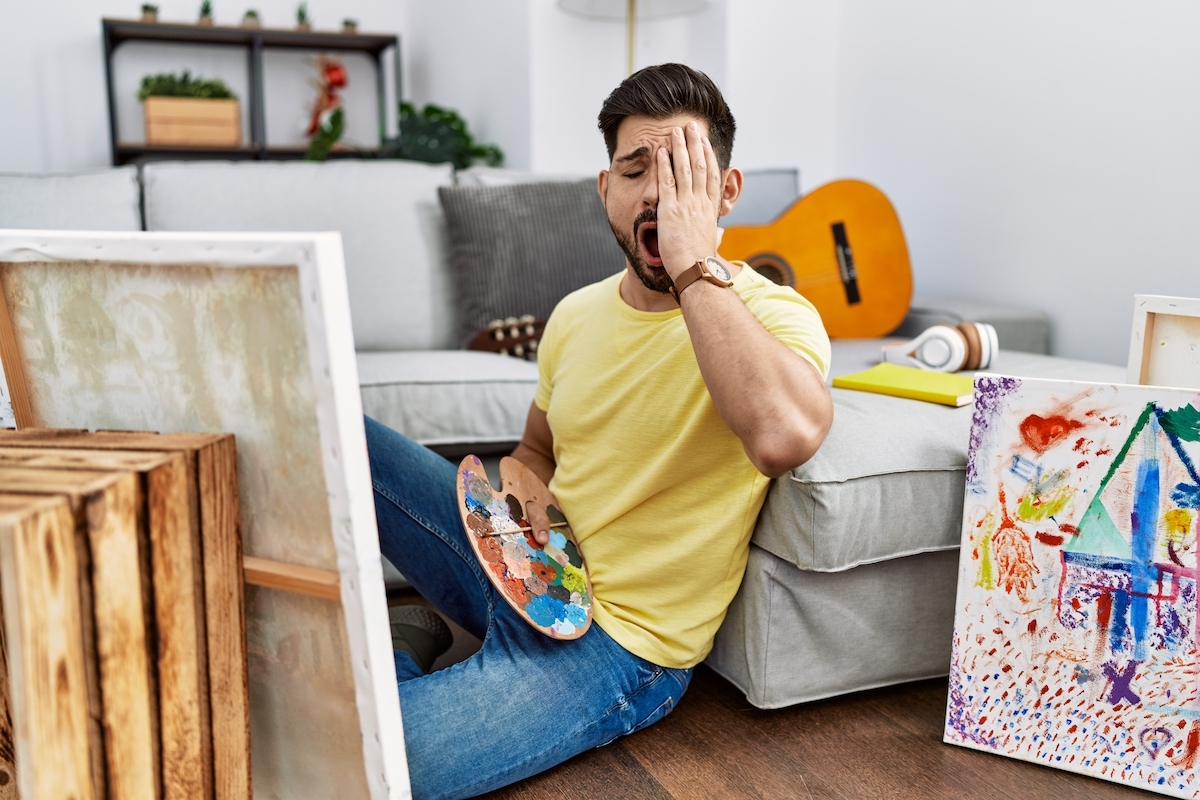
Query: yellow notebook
[946, 388]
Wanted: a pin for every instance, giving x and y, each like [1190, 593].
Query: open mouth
[648, 238]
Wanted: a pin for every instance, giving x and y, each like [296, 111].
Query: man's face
[629, 190]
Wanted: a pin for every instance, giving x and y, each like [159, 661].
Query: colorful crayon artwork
[1076, 629]
[548, 586]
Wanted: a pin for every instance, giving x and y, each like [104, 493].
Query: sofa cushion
[449, 396]
[97, 200]
[393, 233]
[519, 249]
[889, 479]
[1024, 329]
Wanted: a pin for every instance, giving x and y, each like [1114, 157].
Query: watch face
[718, 269]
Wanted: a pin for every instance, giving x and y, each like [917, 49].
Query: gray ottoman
[852, 571]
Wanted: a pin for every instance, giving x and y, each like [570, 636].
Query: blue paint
[544, 610]
[557, 540]
[576, 616]
[1186, 495]
[1120, 620]
[1144, 532]
[1025, 469]
[1175, 711]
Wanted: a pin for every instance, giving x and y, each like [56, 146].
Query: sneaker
[419, 632]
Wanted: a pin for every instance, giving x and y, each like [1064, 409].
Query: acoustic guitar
[841, 246]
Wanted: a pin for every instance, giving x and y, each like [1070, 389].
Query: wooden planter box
[192, 121]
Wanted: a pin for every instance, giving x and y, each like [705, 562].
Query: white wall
[474, 56]
[1039, 153]
[577, 62]
[782, 79]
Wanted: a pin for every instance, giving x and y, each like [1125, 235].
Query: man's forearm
[772, 399]
[541, 464]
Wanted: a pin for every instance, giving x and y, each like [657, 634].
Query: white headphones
[970, 345]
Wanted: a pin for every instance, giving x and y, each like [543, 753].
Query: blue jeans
[524, 702]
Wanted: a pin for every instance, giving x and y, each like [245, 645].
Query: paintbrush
[523, 530]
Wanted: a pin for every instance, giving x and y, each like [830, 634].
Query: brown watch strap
[686, 278]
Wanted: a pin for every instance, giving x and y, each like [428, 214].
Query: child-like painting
[1076, 633]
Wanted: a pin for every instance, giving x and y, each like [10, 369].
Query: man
[669, 396]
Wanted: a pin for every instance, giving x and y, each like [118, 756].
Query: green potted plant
[438, 135]
[250, 19]
[303, 23]
[206, 17]
[149, 12]
[349, 26]
[182, 110]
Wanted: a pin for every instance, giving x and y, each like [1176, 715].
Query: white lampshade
[630, 11]
[646, 9]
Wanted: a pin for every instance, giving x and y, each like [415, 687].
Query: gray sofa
[851, 577]
[853, 564]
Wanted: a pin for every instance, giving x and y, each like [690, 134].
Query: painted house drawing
[1129, 573]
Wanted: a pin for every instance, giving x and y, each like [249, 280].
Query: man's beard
[655, 279]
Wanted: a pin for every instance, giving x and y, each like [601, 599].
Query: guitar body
[841, 246]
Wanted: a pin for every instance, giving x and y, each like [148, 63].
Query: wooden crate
[45, 715]
[106, 525]
[190, 518]
[191, 121]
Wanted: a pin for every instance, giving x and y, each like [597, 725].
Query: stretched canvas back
[247, 334]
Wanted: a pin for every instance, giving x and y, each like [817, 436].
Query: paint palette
[547, 585]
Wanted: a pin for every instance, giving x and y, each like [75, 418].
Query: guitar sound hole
[773, 268]
[770, 272]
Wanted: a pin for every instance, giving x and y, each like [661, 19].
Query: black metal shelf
[133, 153]
[254, 40]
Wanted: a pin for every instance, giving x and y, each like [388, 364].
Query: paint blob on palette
[1076, 636]
[548, 586]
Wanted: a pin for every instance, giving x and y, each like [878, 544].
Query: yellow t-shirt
[659, 492]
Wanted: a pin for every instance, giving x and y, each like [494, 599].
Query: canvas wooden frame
[100, 262]
[1164, 345]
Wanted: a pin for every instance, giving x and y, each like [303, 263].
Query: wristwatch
[710, 269]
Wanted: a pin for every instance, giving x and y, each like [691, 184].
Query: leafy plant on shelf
[302, 13]
[438, 135]
[327, 135]
[206, 8]
[168, 84]
[149, 8]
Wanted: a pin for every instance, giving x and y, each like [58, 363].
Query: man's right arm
[536, 449]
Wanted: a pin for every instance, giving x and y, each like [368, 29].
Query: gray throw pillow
[520, 249]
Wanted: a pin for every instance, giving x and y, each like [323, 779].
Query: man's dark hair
[663, 91]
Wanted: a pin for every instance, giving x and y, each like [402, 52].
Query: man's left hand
[689, 200]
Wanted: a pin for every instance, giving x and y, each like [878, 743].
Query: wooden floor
[881, 743]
